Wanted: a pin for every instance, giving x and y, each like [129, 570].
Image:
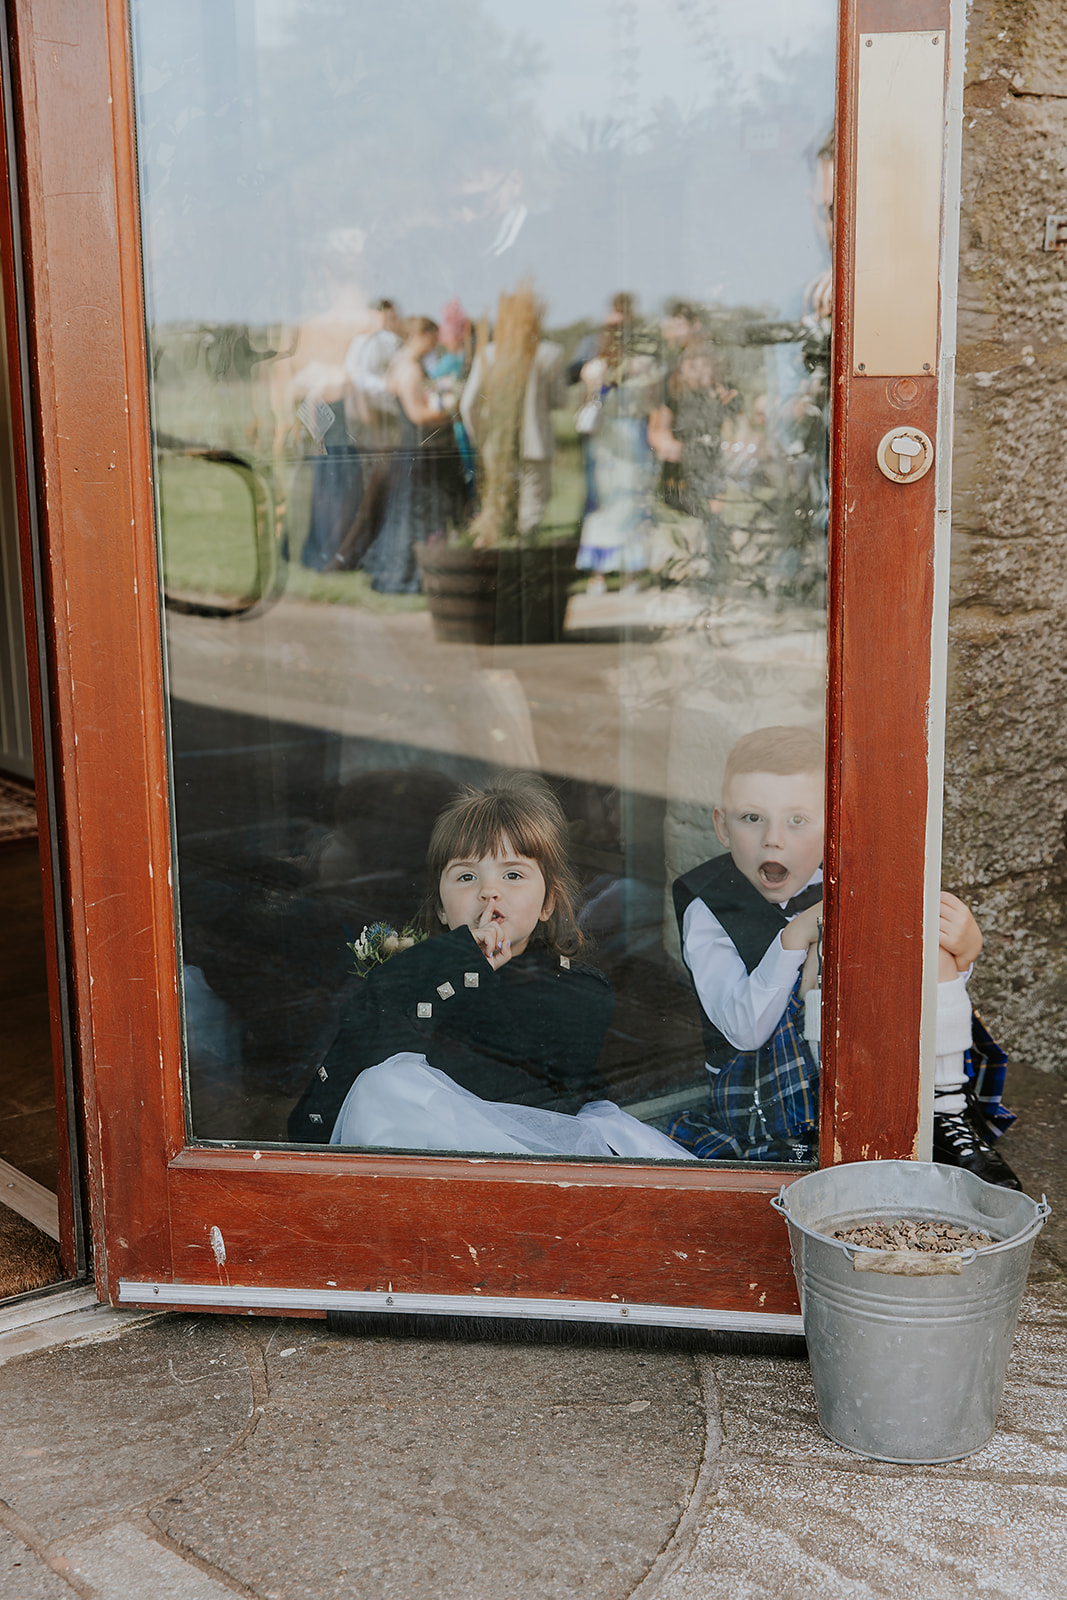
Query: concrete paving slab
[92, 1428]
[416, 1470]
[791, 1533]
[122, 1563]
[24, 1576]
[93, 1324]
[769, 1409]
[1028, 1444]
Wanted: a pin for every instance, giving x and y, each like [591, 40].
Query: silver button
[470, 980]
[323, 1074]
[424, 1009]
[565, 963]
[313, 1116]
[445, 990]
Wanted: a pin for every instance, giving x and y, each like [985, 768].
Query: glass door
[489, 532]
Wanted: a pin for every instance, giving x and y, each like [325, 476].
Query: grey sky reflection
[298, 153]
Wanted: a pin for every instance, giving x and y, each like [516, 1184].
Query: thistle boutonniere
[380, 941]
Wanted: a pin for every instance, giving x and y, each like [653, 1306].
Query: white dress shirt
[746, 1007]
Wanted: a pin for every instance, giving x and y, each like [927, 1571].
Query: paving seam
[138, 1515]
[689, 1525]
[142, 1522]
[50, 1558]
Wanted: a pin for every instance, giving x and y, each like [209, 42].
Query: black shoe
[957, 1145]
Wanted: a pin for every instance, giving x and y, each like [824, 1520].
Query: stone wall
[1006, 772]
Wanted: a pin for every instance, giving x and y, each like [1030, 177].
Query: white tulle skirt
[405, 1104]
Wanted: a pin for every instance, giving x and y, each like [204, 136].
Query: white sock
[953, 1037]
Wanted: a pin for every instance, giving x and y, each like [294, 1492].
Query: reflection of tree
[392, 121]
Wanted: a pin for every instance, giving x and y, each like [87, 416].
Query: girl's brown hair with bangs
[519, 808]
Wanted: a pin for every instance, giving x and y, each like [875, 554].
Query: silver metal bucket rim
[1042, 1211]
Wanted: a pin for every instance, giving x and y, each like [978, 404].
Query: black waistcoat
[752, 923]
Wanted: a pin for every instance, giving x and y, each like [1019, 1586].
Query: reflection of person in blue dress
[336, 488]
[621, 390]
[426, 489]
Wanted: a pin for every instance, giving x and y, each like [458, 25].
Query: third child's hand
[803, 930]
[959, 934]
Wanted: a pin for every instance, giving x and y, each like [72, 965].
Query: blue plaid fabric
[986, 1065]
[763, 1104]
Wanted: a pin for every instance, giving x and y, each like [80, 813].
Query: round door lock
[905, 455]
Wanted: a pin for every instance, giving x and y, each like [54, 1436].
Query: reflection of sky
[674, 47]
[269, 192]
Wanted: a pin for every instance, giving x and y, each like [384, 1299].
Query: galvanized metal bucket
[908, 1367]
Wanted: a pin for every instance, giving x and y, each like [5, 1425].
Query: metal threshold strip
[233, 1297]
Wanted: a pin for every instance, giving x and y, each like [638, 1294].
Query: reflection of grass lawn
[347, 589]
[208, 529]
[209, 537]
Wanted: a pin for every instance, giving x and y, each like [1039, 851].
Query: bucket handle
[964, 1258]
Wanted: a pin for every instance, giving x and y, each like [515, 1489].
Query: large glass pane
[489, 347]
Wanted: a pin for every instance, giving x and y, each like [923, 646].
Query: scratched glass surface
[489, 352]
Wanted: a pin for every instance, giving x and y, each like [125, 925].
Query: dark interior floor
[28, 1138]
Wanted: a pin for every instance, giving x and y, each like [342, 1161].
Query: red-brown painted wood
[495, 1228]
[692, 1237]
[83, 286]
[24, 502]
[881, 594]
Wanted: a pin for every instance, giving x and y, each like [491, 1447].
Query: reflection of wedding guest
[448, 367]
[685, 431]
[630, 338]
[336, 484]
[544, 394]
[620, 314]
[372, 410]
[426, 492]
[622, 385]
[373, 419]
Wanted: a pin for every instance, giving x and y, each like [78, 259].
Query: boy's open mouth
[773, 874]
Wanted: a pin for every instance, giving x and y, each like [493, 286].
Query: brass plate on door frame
[900, 140]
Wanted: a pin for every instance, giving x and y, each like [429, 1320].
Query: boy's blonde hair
[520, 808]
[781, 750]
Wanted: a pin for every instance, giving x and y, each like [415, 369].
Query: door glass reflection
[489, 351]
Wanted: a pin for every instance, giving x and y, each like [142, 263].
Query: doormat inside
[18, 811]
[29, 1259]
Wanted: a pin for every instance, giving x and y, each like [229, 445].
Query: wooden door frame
[197, 1225]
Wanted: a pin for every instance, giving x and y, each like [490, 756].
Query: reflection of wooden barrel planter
[502, 596]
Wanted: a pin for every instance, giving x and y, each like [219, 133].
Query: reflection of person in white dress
[484, 1037]
[621, 388]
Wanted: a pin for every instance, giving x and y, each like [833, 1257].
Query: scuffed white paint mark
[218, 1246]
[472, 1252]
[290, 1352]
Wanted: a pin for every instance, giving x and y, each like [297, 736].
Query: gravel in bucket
[904, 1233]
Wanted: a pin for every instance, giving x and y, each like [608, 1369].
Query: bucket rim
[1042, 1211]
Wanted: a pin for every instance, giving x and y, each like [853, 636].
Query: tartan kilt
[986, 1065]
[763, 1105]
